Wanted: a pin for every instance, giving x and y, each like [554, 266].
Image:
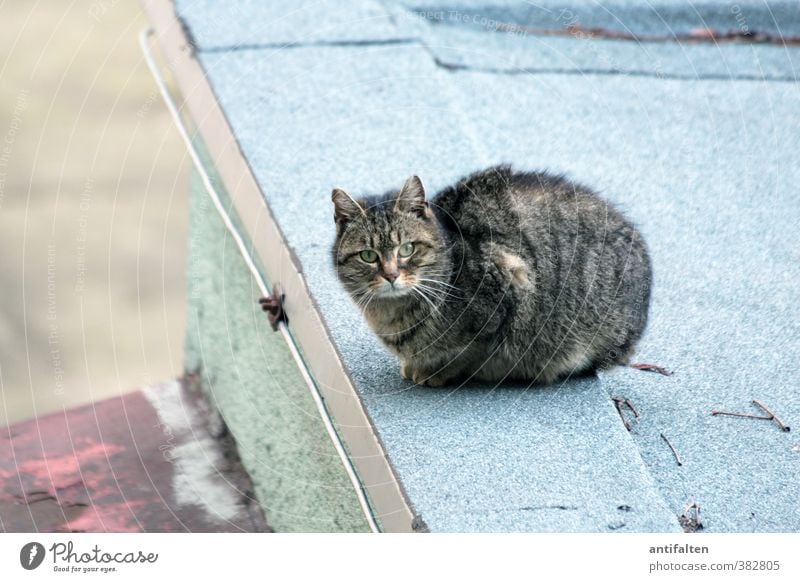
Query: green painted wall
[250, 376]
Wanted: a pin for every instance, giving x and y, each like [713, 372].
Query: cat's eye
[406, 249]
[368, 256]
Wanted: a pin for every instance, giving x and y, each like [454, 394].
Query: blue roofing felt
[638, 17]
[248, 23]
[709, 170]
[509, 52]
[707, 167]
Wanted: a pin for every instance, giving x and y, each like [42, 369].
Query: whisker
[438, 294]
[363, 299]
[437, 282]
[434, 310]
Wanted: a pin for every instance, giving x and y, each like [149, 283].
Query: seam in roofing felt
[701, 36]
[317, 43]
[637, 450]
[706, 37]
[610, 73]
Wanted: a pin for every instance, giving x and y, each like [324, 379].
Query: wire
[144, 36]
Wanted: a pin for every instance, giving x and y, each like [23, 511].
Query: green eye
[406, 249]
[368, 256]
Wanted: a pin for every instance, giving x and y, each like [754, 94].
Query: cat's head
[389, 247]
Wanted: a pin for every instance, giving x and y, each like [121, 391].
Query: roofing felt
[696, 142]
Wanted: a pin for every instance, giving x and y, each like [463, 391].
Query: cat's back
[475, 201]
[500, 198]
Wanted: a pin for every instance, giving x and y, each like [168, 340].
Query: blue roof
[668, 18]
[699, 143]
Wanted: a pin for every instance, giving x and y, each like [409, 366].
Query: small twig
[672, 448]
[619, 403]
[739, 414]
[625, 422]
[690, 505]
[691, 524]
[783, 425]
[652, 368]
[697, 35]
[773, 416]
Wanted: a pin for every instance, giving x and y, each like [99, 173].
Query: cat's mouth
[390, 291]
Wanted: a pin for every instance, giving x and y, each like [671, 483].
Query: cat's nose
[389, 271]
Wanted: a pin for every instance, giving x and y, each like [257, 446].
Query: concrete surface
[93, 210]
[698, 145]
[149, 461]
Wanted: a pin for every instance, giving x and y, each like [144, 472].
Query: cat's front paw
[405, 371]
[424, 378]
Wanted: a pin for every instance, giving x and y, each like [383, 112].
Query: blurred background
[93, 210]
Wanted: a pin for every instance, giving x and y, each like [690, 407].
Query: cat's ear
[346, 208]
[411, 198]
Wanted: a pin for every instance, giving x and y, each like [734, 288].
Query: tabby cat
[505, 275]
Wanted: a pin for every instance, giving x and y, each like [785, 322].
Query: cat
[506, 275]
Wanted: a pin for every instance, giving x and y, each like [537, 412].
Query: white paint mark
[197, 478]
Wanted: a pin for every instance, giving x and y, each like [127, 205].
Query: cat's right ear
[345, 208]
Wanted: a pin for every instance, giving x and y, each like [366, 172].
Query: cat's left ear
[411, 198]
